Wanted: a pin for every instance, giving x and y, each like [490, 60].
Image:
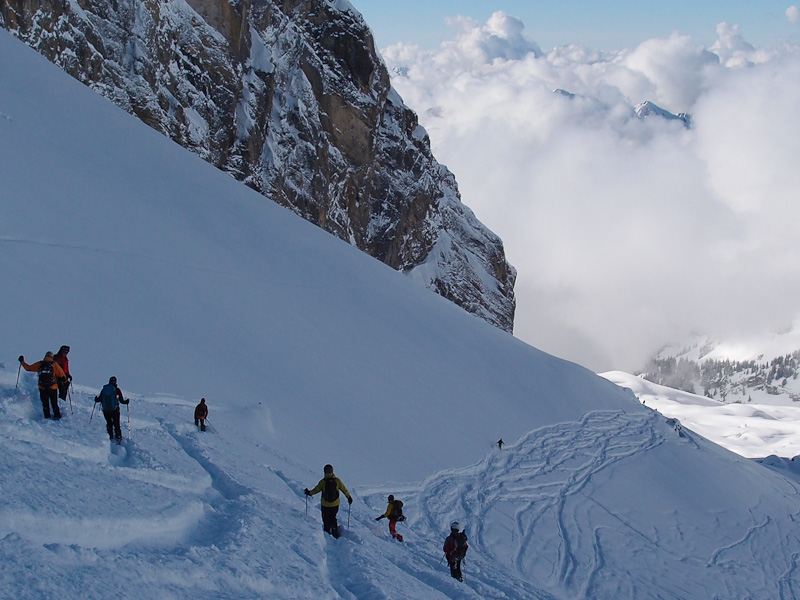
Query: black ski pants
[63, 388]
[455, 569]
[112, 423]
[49, 398]
[201, 423]
[329, 522]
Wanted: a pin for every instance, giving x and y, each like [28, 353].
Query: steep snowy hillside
[170, 275]
[291, 98]
[160, 270]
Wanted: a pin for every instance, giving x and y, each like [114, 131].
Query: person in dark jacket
[49, 373]
[110, 398]
[63, 362]
[394, 512]
[330, 486]
[200, 414]
[455, 547]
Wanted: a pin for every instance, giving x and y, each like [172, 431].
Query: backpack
[108, 397]
[397, 513]
[461, 543]
[330, 493]
[46, 374]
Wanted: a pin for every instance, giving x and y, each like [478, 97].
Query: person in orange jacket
[330, 485]
[49, 372]
[394, 512]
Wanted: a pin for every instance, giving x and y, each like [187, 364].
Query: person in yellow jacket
[330, 486]
[394, 512]
[49, 373]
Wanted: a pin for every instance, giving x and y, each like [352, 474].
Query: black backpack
[330, 493]
[460, 539]
[46, 374]
[397, 513]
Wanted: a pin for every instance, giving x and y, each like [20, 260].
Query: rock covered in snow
[291, 98]
[648, 109]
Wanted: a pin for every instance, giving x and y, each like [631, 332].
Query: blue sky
[603, 26]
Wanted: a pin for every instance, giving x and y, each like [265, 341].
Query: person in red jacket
[200, 414]
[63, 362]
[455, 547]
[394, 512]
[49, 372]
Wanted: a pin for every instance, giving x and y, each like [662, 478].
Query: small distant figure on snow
[330, 485]
[110, 398]
[63, 362]
[49, 373]
[455, 548]
[500, 443]
[394, 512]
[200, 414]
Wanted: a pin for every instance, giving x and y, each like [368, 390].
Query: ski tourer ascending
[49, 373]
[110, 398]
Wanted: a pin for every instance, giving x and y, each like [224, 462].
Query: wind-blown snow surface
[162, 271]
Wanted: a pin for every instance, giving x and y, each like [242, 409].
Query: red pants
[393, 530]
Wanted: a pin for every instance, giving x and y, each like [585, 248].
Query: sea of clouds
[627, 233]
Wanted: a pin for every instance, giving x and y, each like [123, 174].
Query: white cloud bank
[627, 233]
[793, 14]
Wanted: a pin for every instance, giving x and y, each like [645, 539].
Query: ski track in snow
[537, 474]
[178, 521]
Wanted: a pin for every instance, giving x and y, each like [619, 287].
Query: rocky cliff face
[290, 97]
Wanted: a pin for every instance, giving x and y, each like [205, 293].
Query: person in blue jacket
[110, 398]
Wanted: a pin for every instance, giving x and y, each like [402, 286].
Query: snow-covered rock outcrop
[291, 98]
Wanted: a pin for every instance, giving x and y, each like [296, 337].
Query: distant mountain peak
[650, 109]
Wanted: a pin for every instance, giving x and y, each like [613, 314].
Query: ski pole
[128, 410]
[19, 370]
[69, 395]
[92, 415]
[348, 515]
[212, 427]
[440, 561]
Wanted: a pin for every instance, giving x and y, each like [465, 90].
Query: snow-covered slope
[292, 99]
[162, 271]
[763, 370]
[753, 430]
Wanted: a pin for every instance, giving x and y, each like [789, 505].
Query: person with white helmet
[455, 547]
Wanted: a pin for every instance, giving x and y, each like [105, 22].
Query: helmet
[328, 469]
[391, 498]
[455, 526]
[112, 380]
[48, 354]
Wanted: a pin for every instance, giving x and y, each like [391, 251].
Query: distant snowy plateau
[166, 273]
